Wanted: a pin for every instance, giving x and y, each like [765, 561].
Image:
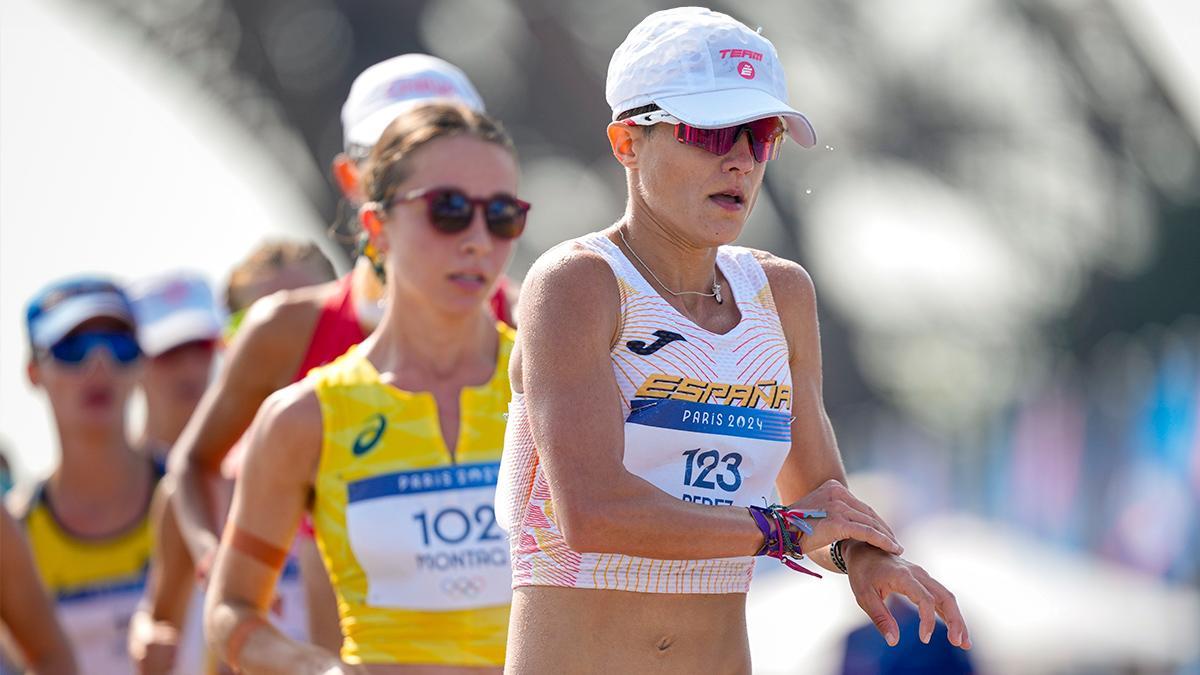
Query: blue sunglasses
[74, 349]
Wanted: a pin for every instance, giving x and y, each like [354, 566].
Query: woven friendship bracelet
[782, 532]
[765, 526]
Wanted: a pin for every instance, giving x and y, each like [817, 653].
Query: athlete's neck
[97, 478]
[424, 341]
[679, 264]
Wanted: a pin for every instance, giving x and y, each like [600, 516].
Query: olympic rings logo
[467, 587]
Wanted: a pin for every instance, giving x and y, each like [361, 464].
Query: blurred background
[1002, 218]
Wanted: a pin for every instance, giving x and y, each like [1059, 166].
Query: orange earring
[346, 175]
[367, 247]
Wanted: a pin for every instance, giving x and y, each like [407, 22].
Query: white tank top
[707, 420]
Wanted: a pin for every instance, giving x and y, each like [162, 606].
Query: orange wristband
[254, 546]
[237, 640]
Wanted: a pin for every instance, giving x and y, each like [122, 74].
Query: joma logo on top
[741, 54]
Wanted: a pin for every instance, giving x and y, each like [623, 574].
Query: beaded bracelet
[835, 554]
[779, 540]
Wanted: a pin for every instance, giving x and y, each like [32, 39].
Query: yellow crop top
[409, 538]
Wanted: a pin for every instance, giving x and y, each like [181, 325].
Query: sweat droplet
[808, 191]
[829, 147]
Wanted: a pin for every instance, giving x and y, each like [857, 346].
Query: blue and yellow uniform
[408, 534]
[96, 582]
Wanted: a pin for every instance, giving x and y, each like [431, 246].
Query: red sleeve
[501, 308]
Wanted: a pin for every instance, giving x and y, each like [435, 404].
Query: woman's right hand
[846, 517]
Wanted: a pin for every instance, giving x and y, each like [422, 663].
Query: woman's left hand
[876, 574]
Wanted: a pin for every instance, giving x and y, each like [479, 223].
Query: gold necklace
[716, 285]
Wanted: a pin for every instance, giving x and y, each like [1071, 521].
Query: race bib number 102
[428, 539]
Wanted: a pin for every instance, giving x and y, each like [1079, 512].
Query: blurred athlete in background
[179, 330]
[154, 641]
[273, 266]
[88, 524]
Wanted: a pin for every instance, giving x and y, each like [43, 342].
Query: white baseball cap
[705, 68]
[387, 89]
[174, 309]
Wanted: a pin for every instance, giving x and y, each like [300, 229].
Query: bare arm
[270, 499]
[156, 626]
[263, 358]
[814, 466]
[569, 320]
[25, 609]
[324, 626]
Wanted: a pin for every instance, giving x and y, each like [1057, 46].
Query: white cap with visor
[705, 68]
[389, 88]
[172, 310]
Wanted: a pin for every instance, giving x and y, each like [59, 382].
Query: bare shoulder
[796, 301]
[272, 340]
[12, 543]
[572, 264]
[278, 317]
[569, 306]
[567, 283]
[790, 282]
[287, 433]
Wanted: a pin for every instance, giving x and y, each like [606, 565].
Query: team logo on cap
[420, 87]
[176, 293]
[744, 68]
[741, 54]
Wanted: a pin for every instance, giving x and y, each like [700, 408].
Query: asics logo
[369, 437]
[665, 337]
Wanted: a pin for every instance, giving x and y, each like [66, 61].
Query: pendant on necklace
[717, 292]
